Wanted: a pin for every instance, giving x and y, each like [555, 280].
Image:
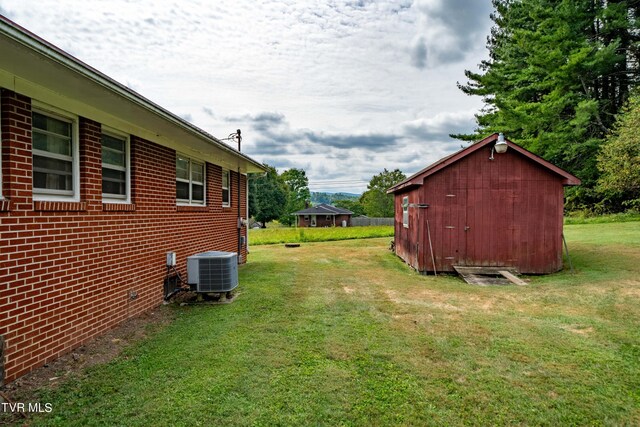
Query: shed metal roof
[418, 178]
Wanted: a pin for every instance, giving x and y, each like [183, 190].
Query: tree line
[561, 81]
[276, 196]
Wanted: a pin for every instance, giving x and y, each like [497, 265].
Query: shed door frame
[491, 229]
[454, 223]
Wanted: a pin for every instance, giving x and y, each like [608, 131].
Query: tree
[559, 71]
[619, 160]
[297, 186]
[376, 201]
[267, 196]
[353, 205]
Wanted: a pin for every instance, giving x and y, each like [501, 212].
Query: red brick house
[97, 184]
[323, 215]
[491, 204]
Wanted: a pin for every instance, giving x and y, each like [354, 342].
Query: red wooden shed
[479, 207]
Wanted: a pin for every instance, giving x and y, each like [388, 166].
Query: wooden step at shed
[483, 276]
[513, 278]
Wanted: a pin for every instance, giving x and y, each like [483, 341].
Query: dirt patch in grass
[630, 288]
[424, 299]
[445, 301]
[578, 329]
[99, 350]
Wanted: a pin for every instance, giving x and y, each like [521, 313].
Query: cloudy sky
[339, 88]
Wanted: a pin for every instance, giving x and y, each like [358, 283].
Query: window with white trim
[226, 194]
[115, 167]
[55, 156]
[405, 212]
[190, 179]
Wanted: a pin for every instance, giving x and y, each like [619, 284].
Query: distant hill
[329, 198]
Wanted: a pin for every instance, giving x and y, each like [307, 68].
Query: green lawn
[268, 236]
[343, 333]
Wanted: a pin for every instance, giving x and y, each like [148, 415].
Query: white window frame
[190, 181]
[113, 198]
[60, 195]
[405, 211]
[228, 188]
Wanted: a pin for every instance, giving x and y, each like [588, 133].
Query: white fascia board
[43, 72]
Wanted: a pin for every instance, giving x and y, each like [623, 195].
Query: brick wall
[67, 268]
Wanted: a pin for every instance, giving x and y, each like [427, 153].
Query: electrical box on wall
[171, 259]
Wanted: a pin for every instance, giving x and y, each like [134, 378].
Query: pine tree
[558, 73]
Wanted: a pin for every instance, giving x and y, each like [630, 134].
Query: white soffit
[46, 74]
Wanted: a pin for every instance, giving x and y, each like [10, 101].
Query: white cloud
[342, 88]
[449, 30]
[440, 126]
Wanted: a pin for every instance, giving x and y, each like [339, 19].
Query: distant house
[97, 184]
[492, 204]
[323, 215]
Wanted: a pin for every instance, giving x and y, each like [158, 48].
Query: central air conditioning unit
[213, 271]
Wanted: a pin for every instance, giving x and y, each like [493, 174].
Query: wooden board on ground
[513, 278]
[484, 276]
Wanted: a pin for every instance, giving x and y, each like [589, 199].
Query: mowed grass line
[269, 236]
[343, 333]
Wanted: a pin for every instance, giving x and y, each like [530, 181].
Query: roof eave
[568, 178]
[403, 186]
[40, 46]
[417, 179]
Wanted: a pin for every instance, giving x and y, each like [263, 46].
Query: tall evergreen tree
[559, 71]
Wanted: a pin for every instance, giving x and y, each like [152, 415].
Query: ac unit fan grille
[213, 271]
[216, 275]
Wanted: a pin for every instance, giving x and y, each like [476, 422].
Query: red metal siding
[501, 212]
[67, 268]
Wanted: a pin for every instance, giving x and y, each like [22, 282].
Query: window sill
[185, 208]
[5, 205]
[118, 207]
[42, 205]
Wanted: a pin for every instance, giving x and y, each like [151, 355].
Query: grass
[585, 218]
[268, 236]
[343, 333]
